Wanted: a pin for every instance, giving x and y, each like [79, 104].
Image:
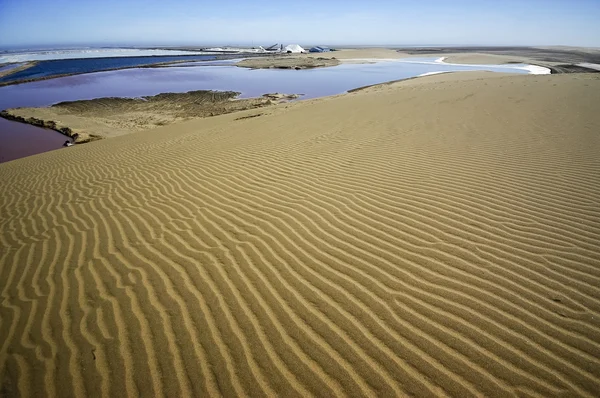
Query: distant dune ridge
[438, 236]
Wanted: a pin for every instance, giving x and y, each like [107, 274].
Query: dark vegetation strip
[49, 125]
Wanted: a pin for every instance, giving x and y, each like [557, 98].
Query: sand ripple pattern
[422, 239]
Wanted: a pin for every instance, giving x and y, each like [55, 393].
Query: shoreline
[532, 68]
[39, 79]
[125, 56]
[391, 82]
[153, 65]
[558, 59]
[51, 124]
[79, 136]
[70, 131]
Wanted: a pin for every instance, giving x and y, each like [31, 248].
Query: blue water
[4, 68]
[87, 65]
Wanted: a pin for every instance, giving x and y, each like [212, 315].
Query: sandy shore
[560, 59]
[436, 236]
[287, 62]
[496, 59]
[484, 59]
[110, 117]
[26, 65]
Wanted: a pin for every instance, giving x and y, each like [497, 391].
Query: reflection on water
[141, 82]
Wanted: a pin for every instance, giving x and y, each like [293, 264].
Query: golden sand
[439, 236]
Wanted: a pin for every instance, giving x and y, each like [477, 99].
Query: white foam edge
[533, 69]
[435, 73]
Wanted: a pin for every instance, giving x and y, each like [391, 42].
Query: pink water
[18, 140]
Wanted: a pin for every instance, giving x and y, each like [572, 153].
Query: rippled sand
[438, 236]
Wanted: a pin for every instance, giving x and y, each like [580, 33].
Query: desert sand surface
[110, 117]
[433, 237]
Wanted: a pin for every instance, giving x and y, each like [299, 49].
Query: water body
[88, 65]
[8, 67]
[73, 53]
[311, 83]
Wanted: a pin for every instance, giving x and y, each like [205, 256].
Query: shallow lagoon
[140, 82]
[220, 75]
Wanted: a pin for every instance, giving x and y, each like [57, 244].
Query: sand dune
[439, 236]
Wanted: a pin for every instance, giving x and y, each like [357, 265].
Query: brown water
[18, 140]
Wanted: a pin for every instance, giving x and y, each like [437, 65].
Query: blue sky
[334, 22]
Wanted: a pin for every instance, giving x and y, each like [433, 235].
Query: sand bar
[320, 60]
[20, 67]
[287, 62]
[110, 117]
[561, 59]
[437, 236]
